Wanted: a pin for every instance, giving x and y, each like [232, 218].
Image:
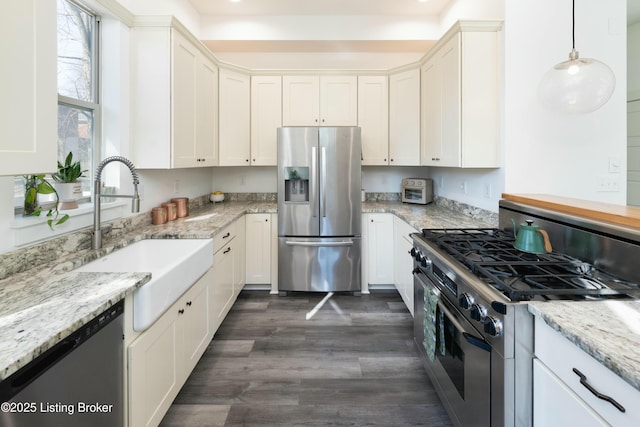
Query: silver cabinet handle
[585, 382]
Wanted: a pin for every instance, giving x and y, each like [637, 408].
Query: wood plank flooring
[352, 364]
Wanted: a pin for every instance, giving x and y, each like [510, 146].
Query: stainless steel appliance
[417, 190]
[77, 382]
[471, 287]
[319, 209]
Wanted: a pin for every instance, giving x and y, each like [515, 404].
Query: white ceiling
[320, 7]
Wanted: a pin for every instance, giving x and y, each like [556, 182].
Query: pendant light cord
[573, 24]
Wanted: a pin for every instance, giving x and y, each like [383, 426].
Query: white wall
[296, 27]
[633, 60]
[552, 153]
[159, 186]
[252, 179]
[477, 187]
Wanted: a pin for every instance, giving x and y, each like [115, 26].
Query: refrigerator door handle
[314, 177]
[318, 244]
[323, 165]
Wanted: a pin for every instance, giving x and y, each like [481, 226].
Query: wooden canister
[158, 215]
[182, 204]
[172, 210]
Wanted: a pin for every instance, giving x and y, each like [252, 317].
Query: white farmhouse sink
[174, 264]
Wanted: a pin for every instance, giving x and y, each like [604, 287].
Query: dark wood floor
[352, 364]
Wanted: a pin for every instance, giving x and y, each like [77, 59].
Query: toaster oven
[417, 190]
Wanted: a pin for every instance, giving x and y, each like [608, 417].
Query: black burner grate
[489, 253]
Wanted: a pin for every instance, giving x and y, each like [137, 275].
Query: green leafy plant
[38, 184]
[69, 172]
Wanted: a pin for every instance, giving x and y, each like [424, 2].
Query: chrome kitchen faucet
[96, 238]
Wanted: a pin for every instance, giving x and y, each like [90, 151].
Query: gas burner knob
[425, 262]
[493, 326]
[478, 312]
[414, 253]
[466, 300]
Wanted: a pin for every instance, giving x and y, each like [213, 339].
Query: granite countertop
[609, 331]
[41, 306]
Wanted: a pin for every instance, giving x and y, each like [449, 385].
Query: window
[78, 108]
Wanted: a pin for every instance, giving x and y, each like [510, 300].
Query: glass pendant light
[579, 85]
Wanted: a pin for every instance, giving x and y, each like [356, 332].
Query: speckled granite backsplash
[41, 253]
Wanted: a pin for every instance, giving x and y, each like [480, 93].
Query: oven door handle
[471, 339]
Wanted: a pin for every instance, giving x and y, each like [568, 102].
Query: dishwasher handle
[49, 359]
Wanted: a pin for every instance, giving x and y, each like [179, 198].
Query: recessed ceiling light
[238, 1]
[421, 1]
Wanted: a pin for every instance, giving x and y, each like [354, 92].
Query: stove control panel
[478, 312]
[466, 300]
[493, 326]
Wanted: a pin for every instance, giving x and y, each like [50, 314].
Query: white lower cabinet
[228, 265]
[561, 396]
[258, 253]
[402, 261]
[161, 358]
[379, 248]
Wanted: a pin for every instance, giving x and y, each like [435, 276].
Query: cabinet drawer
[561, 356]
[224, 236]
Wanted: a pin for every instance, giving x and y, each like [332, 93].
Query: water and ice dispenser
[296, 184]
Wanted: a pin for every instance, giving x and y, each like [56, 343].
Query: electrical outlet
[176, 186]
[242, 180]
[141, 191]
[441, 180]
[608, 183]
[463, 186]
[487, 191]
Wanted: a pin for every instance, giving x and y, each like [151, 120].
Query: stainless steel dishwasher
[77, 382]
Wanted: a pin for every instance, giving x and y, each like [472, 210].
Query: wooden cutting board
[628, 216]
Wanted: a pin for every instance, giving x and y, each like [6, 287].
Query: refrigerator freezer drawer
[319, 264]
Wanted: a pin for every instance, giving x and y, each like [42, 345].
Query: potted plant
[37, 184]
[66, 182]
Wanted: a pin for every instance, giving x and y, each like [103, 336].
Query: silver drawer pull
[596, 393]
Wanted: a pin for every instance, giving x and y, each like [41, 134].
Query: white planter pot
[68, 193]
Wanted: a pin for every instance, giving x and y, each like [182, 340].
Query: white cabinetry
[234, 118]
[174, 97]
[404, 118]
[258, 253]
[373, 119]
[402, 261]
[460, 98]
[561, 396]
[380, 248]
[29, 88]
[161, 358]
[228, 266]
[319, 101]
[266, 118]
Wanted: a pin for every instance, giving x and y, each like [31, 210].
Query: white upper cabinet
[373, 119]
[174, 97]
[266, 118]
[404, 118]
[319, 100]
[28, 110]
[460, 99]
[234, 116]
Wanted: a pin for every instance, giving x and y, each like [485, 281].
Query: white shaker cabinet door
[300, 100]
[28, 109]
[373, 119]
[404, 118]
[234, 118]
[266, 118]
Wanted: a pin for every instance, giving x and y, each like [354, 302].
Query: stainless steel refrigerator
[319, 209]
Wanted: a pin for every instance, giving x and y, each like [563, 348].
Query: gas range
[489, 254]
[471, 288]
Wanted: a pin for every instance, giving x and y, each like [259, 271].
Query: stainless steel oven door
[461, 368]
